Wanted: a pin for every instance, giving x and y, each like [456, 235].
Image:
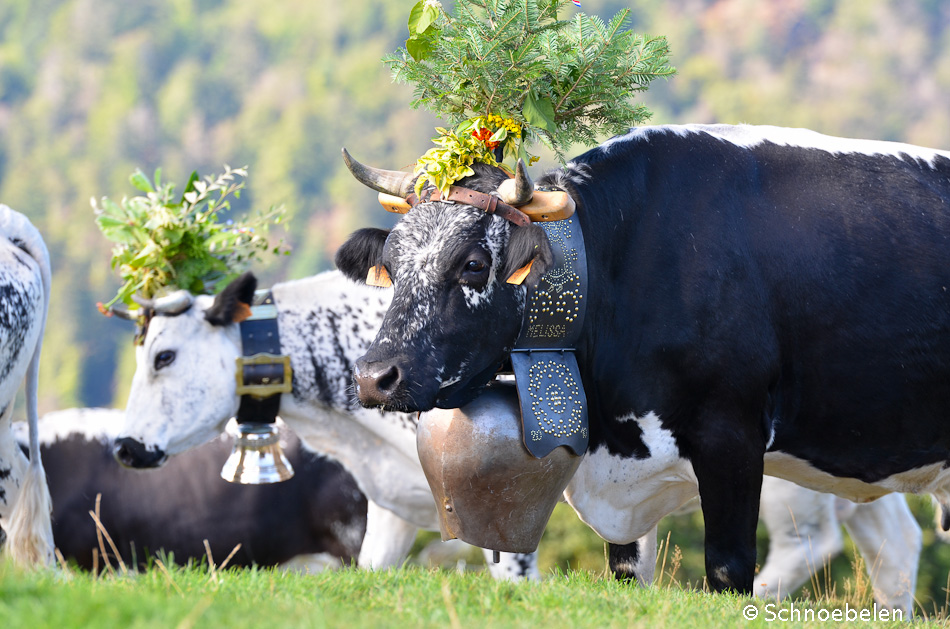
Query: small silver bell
[256, 458]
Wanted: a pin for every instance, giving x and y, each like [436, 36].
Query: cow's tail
[30, 534]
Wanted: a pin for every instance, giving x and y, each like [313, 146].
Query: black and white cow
[24, 301]
[342, 318]
[761, 300]
[184, 392]
[312, 521]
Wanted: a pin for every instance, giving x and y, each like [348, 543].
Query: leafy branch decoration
[161, 244]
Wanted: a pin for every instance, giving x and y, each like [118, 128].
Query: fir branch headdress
[508, 73]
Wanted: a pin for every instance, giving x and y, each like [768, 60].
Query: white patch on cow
[92, 424]
[476, 298]
[450, 382]
[928, 479]
[495, 238]
[753, 135]
[623, 498]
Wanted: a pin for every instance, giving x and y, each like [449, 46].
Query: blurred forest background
[90, 90]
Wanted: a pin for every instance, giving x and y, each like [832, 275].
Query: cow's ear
[233, 304]
[362, 251]
[528, 244]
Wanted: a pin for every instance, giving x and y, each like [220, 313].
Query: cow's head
[184, 389]
[454, 317]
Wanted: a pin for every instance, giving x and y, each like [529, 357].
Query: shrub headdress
[161, 244]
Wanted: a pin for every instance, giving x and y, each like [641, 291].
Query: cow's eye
[164, 358]
[474, 273]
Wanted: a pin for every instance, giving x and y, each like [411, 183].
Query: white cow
[24, 301]
[805, 534]
[184, 392]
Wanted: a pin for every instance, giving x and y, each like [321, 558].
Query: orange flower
[484, 135]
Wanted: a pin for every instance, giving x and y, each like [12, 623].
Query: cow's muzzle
[378, 383]
[132, 453]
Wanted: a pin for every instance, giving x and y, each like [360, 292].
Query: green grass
[412, 597]
[574, 593]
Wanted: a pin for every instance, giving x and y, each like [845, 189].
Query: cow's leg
[728, 462]
[635, 561]
[889, 538]
[388, 538]
[513, 566]
[804, 534]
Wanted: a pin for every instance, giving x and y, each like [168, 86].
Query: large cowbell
[553, 402]
[489, 491]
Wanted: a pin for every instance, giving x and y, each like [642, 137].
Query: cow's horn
[173, 304]
[395, 182]
[517, 191]
[124, 313]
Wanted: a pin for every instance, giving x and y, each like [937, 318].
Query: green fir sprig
[163, 243]
[561, 81]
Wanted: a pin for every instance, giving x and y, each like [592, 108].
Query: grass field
[575, 592]
[174, 597]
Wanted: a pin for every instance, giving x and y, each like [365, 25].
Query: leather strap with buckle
[262, 373]
[487, 202]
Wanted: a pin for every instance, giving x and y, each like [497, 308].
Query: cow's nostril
[131, 453]
[377, 383]
[123, 454]
[388, 381]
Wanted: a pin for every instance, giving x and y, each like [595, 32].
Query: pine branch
[560, 81]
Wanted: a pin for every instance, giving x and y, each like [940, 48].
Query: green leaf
[190, 186]
[140, 181]
[539, 112]
[420, 46]
[421, 17]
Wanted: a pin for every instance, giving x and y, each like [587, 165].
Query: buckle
[270, 383]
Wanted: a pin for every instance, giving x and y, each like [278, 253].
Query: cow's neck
[323, 338]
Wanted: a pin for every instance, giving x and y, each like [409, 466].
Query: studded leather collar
[553, 402]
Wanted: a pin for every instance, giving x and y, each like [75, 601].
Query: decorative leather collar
[553, 402]
[263, 373]
[487, 202]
